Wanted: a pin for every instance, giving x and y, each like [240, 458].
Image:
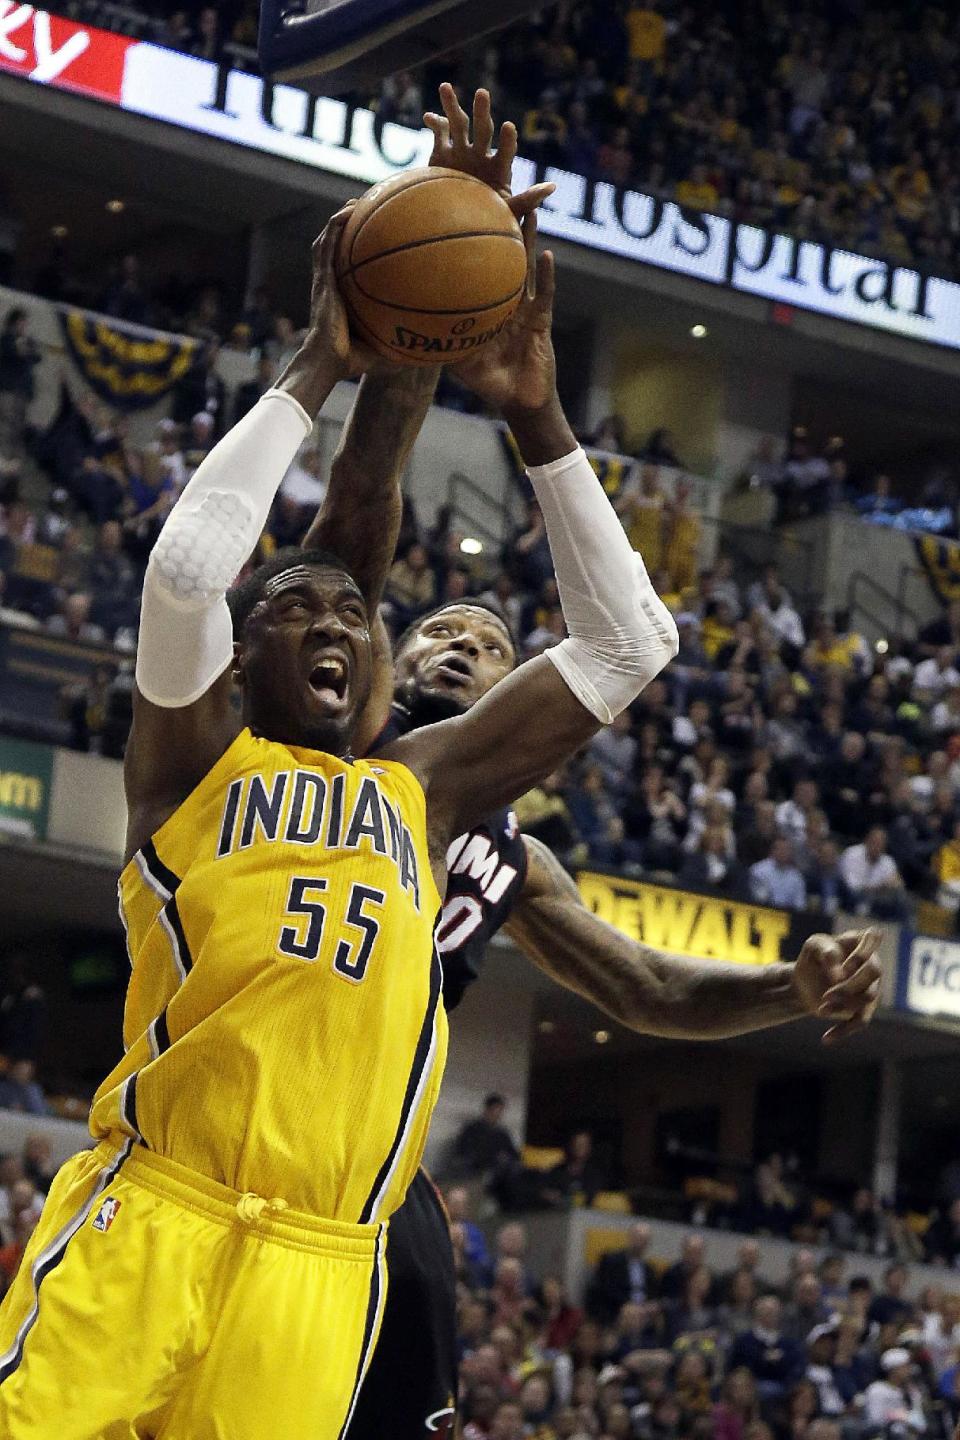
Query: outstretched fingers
[439, 125]
[482, 123]
[507, 145]
[457, 117]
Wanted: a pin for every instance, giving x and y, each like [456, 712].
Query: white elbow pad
[621, 633]
[186, 635]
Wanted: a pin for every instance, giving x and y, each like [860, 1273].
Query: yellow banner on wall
[703, 927]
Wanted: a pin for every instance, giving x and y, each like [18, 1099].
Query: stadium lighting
[471, 546]
[882, 647]
[698, 331]
[601, 1036]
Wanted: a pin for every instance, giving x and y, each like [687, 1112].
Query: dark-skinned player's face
[304, 660]
[455, 656]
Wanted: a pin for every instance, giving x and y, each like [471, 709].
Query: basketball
[431, 266]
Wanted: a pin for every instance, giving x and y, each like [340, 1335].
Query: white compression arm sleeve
[621, 635]
[186, 636]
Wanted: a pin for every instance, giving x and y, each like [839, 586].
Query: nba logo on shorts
[106, 1215]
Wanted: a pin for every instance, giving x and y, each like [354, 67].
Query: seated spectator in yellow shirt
[718, 628]
[544, 128]
[411, 583]
[698, 191]
[828, 650]
[946, 867]
[646, 32]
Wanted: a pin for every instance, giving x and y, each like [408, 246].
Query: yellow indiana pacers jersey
[284, 1026]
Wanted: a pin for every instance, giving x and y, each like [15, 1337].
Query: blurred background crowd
[837, 122]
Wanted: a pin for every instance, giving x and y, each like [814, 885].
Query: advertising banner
[26, 771]
[701, 926]
[928, 975]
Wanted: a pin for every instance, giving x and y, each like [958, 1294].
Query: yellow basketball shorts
[152, 1302]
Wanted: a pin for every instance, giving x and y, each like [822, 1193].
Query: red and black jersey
[487, 868]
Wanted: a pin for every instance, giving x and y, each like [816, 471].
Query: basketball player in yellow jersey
[215, 1268]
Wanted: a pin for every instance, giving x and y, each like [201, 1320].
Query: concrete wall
[560, 1244]
[489, 1050]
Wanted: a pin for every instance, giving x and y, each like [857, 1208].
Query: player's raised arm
[359, 519]
[620, 634]
[183, 719]
[836, 979]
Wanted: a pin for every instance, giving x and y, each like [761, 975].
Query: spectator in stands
[208, 41]
[19, 1089]
[126, 297]
[411, 584]
[806, 1309]
[113, 580]
[826, 887]
[659, 449]
[641, 506]
[19, 357]
[402, 100]
[894, 1403]
[712, 867]
[578, 1177]
[778, 880]
[543, 813]
[598, 826]
[251, 391]
[529, 550]
[23, 1011]
[935, 676]
[622, 1277]
[674, 1279]
[942, 1240]
[202, 390]
[544, 130]
[73, 620]
[738, 1406]
[692, 1314]
[891, 1304]
[38, 1166]
[872, 877]
[614, 749]
[484, 1144]
[774, 1360]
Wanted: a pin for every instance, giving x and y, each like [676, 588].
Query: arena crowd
[834, 120]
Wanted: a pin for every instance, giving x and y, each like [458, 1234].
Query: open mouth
[455, 670]
[328, 678]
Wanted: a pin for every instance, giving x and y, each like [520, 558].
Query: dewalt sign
[703, 927]
[25, 776]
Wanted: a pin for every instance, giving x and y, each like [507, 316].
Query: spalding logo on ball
[431, 265]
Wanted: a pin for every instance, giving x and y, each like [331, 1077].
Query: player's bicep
[169, 751]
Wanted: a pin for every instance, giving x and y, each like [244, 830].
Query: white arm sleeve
[621, 635]
[186, 636]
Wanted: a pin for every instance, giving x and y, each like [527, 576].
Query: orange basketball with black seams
[431, 265]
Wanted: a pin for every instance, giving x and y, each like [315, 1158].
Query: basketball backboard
[328, 46]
